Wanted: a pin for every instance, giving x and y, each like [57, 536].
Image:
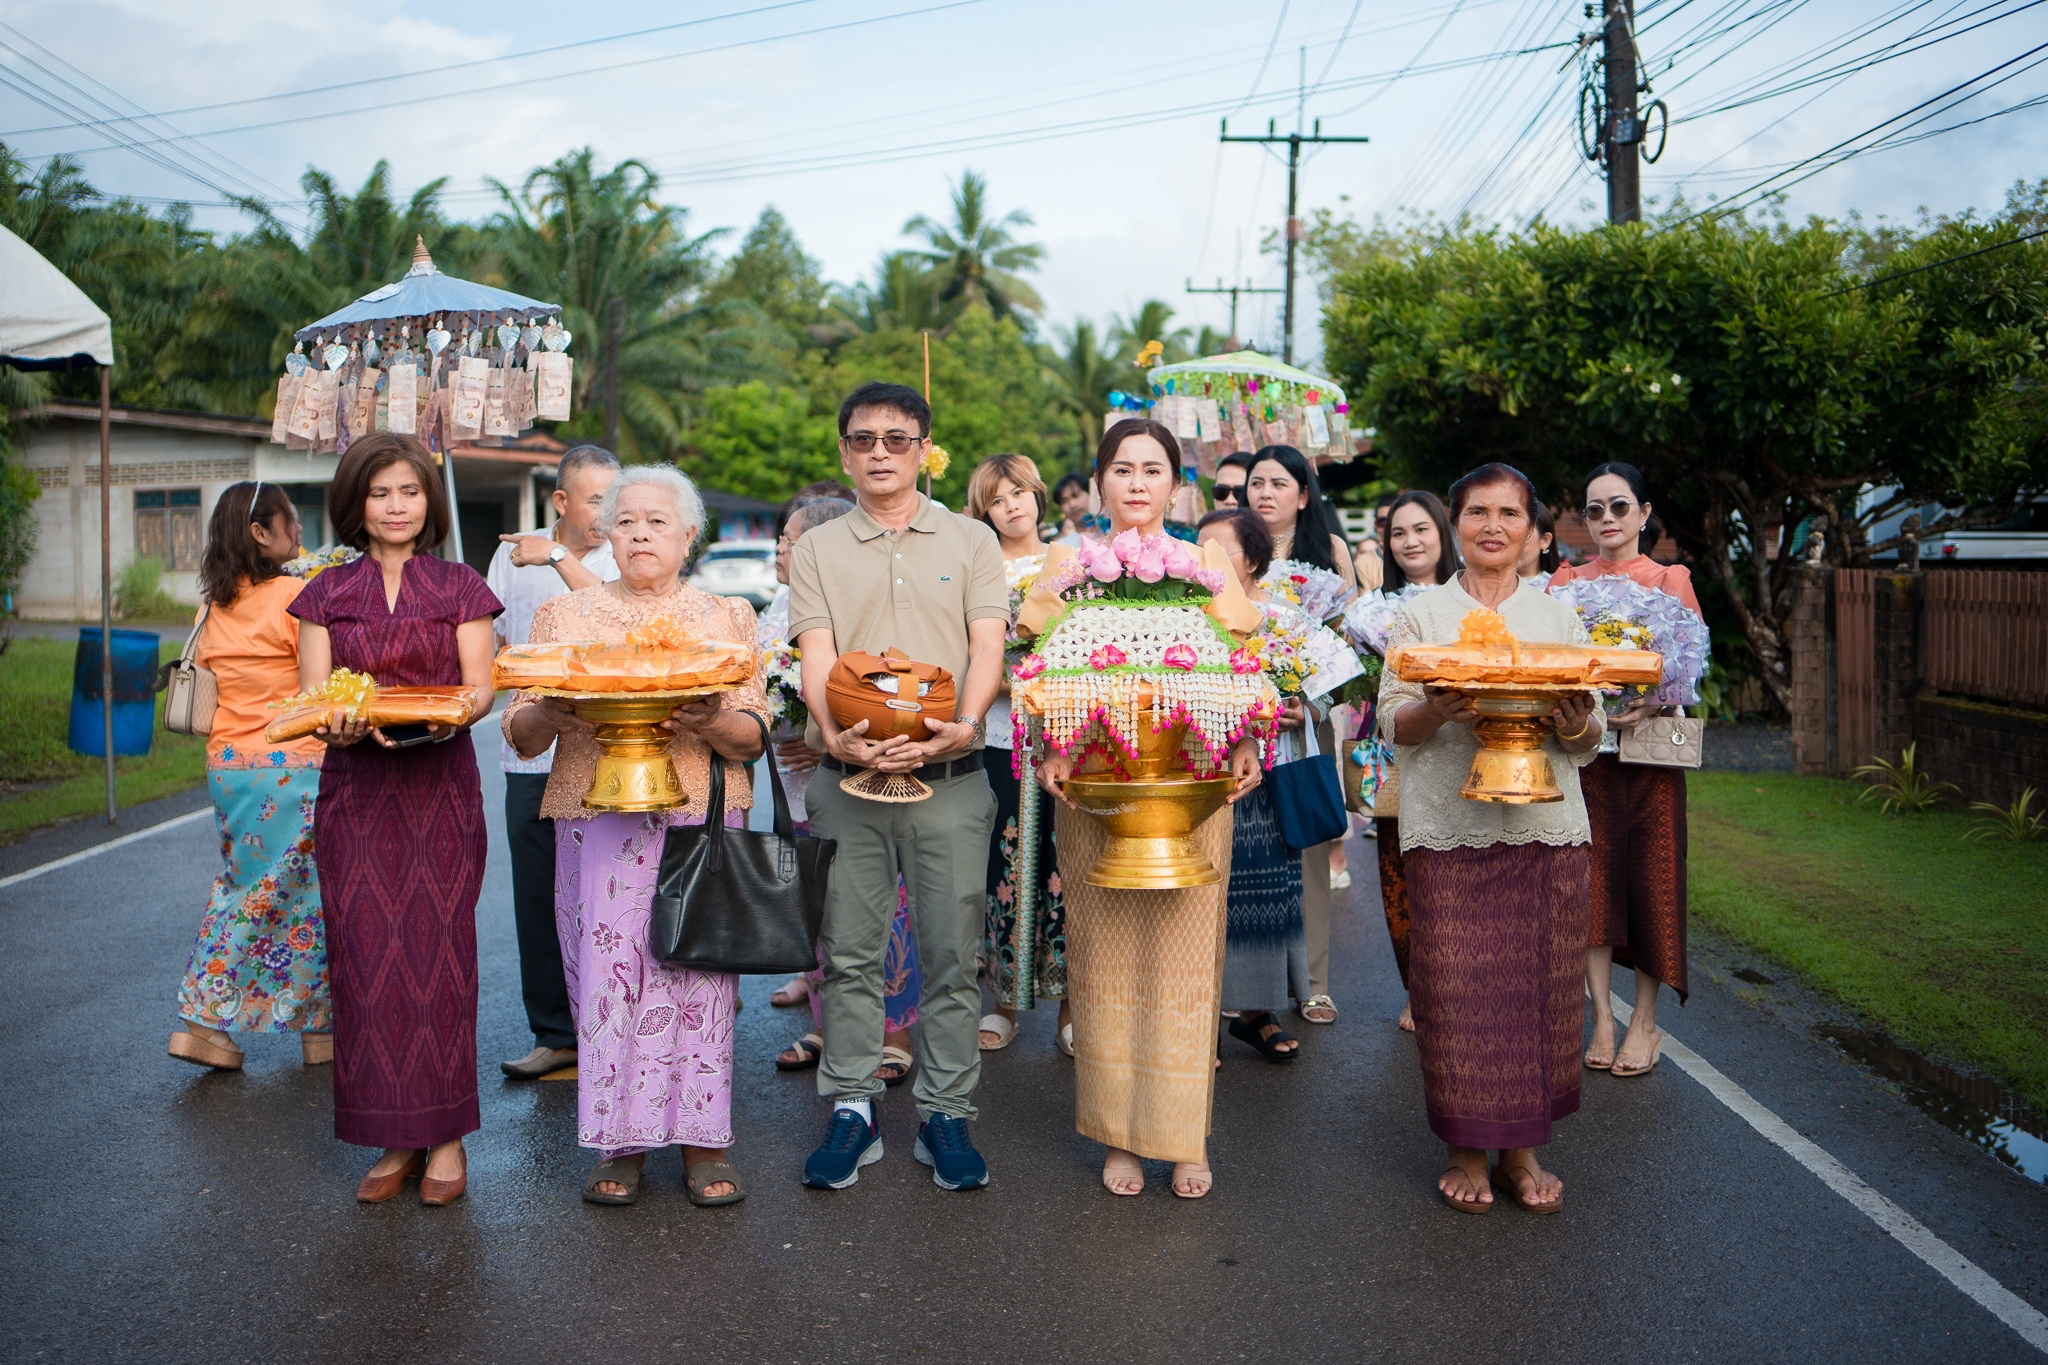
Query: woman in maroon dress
[400, 830]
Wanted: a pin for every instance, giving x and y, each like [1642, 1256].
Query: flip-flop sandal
[897, 1058]
[699, 1174]
[1463, 1205]
[1005, 1031]
[1253, 1034]
[1506, 1185]
[619, 1170]
[808, 1050]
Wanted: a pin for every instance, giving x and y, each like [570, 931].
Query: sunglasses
[861, 442]
[1599, 511]
[1228, 492]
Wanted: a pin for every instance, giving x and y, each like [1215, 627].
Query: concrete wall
[63, 580]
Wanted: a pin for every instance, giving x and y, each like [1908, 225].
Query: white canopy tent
[47, 323]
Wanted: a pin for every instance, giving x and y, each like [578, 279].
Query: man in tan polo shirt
[900, 572]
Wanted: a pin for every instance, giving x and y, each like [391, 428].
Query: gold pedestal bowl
[633, 771]
[1511, 766]
[1150, 827]
[1150, 813]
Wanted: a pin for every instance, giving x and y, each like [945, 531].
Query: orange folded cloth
[1486, 652]
[658, 657]
[347, 695]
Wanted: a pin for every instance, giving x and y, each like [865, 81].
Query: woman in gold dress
[1144, 968]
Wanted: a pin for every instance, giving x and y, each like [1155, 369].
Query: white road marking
[68, 859]
[1958, 1269]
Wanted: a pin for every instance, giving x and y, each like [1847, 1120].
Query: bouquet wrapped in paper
[1619, 610]
[1320, 593]
[782, 671]
[660, 656]
[348, 695]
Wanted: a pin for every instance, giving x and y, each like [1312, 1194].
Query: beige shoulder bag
[1662, 741]
[191, 692]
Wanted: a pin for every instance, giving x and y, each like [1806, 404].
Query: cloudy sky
[1098, 117]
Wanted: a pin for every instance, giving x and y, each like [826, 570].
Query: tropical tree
[1082, 371]
[593, 239]
[1755, 381]
[977, 255]
[1152, 322]
[773, 272]
[903, 293]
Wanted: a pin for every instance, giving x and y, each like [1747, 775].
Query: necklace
[1283, 545]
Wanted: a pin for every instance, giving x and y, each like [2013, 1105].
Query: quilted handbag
[194, 693]
[1663, 742]
[731, 900]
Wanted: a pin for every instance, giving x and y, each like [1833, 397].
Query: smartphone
[405, 736]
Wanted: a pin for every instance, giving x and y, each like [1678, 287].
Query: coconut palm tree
[581, 235]
[977, 256]
[904, 292]
[1150, 323]
[1082, 372]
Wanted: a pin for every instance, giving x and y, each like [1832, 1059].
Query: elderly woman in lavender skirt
[654, 1041]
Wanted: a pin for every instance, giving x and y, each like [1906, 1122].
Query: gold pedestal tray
[1149, 825]
[1511, 766]
[633, 768]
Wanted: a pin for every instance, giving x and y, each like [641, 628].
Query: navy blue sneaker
[851, 1142]
[943, 1145]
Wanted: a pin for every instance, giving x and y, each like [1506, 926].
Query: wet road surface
[159, 1213]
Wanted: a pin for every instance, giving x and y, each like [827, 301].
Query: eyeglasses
[1616, 508]
[861, 442]
[1228, 492]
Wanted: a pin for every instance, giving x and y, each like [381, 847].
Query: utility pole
[614, 336]
[1232, 290]
[1295, 142]
[1624, 126]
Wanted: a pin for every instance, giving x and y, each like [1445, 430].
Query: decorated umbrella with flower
[394, 361]
[1242, 400]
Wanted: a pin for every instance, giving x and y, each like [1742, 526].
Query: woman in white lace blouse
[1498, 891]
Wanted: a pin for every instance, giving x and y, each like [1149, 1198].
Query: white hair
[689, 506]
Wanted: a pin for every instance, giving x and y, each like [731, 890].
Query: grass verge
[42, 780]
[1941, 942]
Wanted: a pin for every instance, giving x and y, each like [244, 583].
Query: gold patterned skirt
[1145, 983]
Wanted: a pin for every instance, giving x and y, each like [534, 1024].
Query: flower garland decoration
[935, 462]
[1133, 646]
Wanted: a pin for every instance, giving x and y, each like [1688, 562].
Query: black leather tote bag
[733, 901]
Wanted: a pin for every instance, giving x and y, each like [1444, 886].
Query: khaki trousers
[940, 848]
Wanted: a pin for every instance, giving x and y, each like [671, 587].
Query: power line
[442, 70]
[1946, 260]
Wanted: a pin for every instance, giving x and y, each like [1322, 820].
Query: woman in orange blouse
[260, 965]
[1637, 810]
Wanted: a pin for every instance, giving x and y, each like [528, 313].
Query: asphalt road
[158, 1213]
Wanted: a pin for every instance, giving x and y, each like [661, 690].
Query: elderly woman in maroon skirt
[1498, 892]
[400, 827]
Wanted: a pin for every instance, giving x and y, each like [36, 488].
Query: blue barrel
[135, 668]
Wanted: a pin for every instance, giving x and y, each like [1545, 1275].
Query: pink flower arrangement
[1028, 667]
[1107, 656]
[1243, 661]
[1182, 657]
[1101, 562]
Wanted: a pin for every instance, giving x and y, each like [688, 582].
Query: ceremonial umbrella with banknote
[445, 359]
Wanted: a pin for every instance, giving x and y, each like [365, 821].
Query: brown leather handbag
[892, 692]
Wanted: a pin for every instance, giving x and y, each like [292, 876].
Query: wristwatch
[980, 724]
[557, 553]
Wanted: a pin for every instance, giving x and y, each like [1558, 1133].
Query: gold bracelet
[1585, 728]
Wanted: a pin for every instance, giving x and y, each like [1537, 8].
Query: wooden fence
[1985, 634]
[1855, 665]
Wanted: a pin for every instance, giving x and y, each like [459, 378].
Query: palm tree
[583, 236]
[903, 293]
[1150, 323]
[1082, 373]
[977, 256]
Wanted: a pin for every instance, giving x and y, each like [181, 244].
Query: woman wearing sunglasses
[1637, 811]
